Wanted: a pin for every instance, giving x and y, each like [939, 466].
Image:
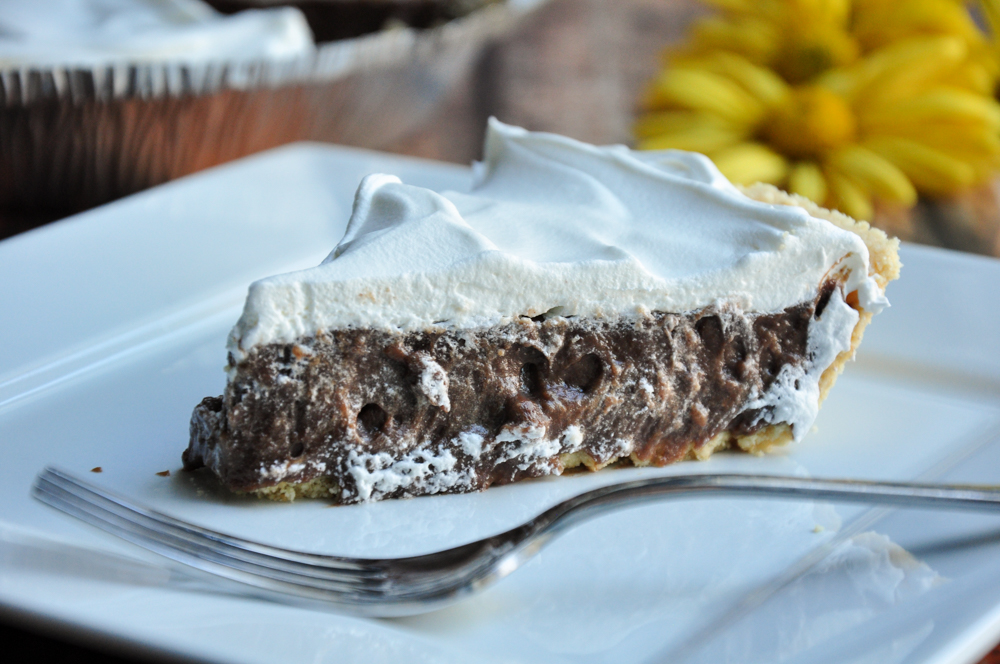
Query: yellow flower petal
[761, 82]
[896, 68]
[960, 141]
[748, 163]
[880, 23]
[900, 84]
[974, 77]
[943, 104]
[806, 179]
[655, 123]
[932, 171]
[701, 90]
[695, 139]
[849, 197]
[754, 38]
[875, 173]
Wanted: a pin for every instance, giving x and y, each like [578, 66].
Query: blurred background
[884, 109]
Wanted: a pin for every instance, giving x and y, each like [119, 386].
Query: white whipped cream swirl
[553, 224]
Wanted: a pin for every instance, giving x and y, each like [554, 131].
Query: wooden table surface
[575, 67]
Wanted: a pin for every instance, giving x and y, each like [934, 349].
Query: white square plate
[113, 328]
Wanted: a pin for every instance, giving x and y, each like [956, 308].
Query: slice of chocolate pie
[582, 305]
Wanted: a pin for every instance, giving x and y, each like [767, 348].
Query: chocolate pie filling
[492, 405]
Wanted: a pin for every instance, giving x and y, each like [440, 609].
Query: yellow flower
[841, 101]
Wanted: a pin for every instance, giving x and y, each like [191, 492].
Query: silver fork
[418, 584]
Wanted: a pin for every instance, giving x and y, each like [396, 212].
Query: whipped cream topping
[553, 225]
[89, 33]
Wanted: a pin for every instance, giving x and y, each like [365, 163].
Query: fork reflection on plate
[418, 584]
